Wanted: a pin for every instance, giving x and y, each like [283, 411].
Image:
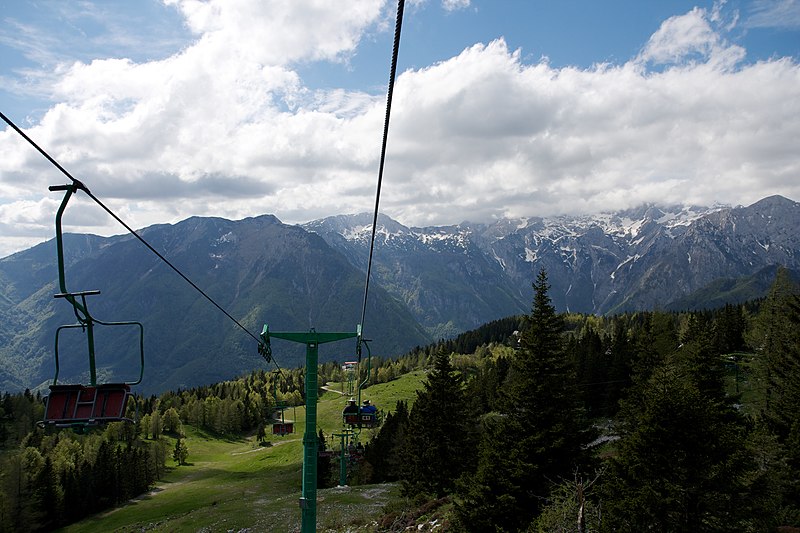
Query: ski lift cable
[390, 91]
[80, 185]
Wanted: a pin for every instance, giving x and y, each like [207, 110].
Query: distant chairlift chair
[280, 426]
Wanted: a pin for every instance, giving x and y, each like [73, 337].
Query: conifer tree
[699, 355]
[46, 496]
[384, 452]
[439, 438]
[730, 328]
[620, 356]
[682, 463]
[538, 438]
[103, 473]
[776, 339]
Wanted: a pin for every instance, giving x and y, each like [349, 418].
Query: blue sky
[235, 108]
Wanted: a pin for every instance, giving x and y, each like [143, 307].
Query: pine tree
[730, 328]
[620, 356]
[539, 436]
[384, 452]
[46, 496]
[439, 439]
[776, 339]
[682, 463]
[699, 355]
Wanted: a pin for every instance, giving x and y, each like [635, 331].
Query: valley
[237, 484]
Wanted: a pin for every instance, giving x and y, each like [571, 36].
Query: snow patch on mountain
[598, 263]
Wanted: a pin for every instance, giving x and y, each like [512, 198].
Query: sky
[168, 109]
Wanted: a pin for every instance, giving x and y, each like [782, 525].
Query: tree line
[48, 480]
[642, 421]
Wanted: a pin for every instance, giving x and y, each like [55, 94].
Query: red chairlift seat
[69, 405]
[282, 428]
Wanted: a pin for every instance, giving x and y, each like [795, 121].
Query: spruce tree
[181, 452]
[46, 496]
[730, 327]
[776, 340]
[384, 452]
[538, 437]
[439, 438]
[682, 462]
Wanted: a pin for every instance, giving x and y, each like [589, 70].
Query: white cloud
[455, 5]
[783, 14]
[691, 38]
[276, 32]
[500, 138]
[226, 127]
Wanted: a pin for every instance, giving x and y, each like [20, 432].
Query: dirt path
[260, 448]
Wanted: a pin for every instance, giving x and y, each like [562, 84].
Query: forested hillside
[643, 421]
[671, 421]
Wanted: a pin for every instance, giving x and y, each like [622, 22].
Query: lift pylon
[312, 339]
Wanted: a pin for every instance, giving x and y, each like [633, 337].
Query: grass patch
[232, 483]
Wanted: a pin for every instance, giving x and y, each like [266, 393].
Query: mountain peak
[776, 201]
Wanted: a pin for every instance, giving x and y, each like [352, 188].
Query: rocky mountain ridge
[636, 259]
[428, 283]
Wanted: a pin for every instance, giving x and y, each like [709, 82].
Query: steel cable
[80, 185]
[390, 92]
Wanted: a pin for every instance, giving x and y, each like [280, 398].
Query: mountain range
[427, 283]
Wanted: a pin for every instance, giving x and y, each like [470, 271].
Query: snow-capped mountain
[641, 258]
[427, 283]
[442, 274]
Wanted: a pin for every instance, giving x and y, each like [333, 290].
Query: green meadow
[234, 484]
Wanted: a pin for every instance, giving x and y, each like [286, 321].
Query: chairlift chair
[280, 426]
[81, 406]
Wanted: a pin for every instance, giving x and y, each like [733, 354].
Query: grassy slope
[235, 484]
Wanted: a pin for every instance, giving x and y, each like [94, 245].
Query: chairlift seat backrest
[282, 428]
[369, 419]
[79, 404]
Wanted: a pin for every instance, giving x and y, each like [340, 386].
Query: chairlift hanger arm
[62, 281]
[311, 336]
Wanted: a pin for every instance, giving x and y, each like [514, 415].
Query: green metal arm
[78, 299]
[91, 369]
